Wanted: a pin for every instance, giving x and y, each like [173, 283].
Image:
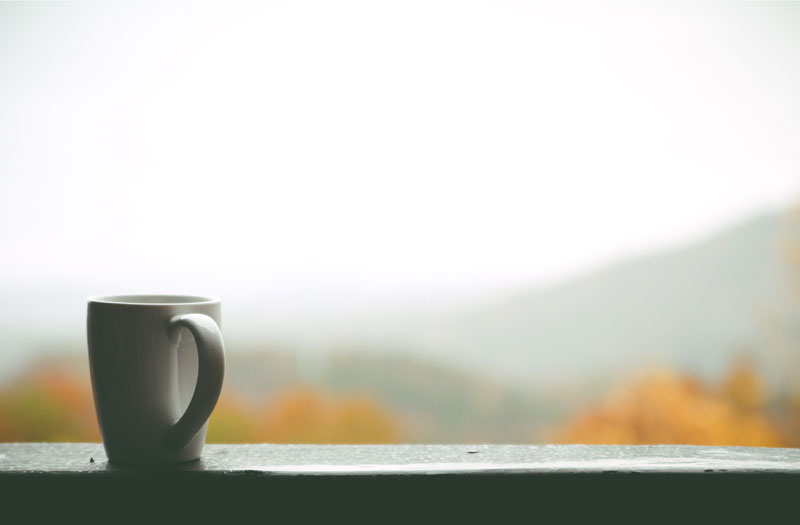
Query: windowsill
[483, 483]
[315, 460]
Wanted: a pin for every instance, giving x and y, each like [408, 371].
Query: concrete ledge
[316, 460]
[486, 483]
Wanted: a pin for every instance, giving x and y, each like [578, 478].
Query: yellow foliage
[303, 415]
[232, 421]
[665, 407]
[49, 406]
[57, 406]
[743, 387]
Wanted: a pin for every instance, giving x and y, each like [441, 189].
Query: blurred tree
[303, 415]
[665, 407]
[743, 387]
[233, 421]
[782, 330]
[50, 405]
[784, 347]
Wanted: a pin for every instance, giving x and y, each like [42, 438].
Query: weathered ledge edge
[21, 459]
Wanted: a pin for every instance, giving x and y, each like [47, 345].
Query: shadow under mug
[153, 391]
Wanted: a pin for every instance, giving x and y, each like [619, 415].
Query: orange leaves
[302, 415]
[659, 407]
[50, 406]
[743, 387]
[233, 421]
[665, 407]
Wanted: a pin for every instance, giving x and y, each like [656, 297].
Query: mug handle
[210, 371]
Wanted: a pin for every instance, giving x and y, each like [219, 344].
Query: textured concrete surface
[52, 482]
[80, 458]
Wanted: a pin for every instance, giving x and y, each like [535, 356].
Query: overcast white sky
[383, 145]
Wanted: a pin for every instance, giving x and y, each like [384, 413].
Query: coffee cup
[157, 364]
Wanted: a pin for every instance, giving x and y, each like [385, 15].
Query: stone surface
[53, 483]
[348, 460]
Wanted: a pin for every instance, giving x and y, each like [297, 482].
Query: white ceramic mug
[152, 391]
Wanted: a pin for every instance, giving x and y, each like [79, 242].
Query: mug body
[144, 373]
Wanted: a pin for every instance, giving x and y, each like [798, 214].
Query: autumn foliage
[53, 405]
[49, 405]
[665, 407]
[302, 415]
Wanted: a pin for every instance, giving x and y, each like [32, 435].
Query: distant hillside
[440, 403]
[692, 307]
[431, 402]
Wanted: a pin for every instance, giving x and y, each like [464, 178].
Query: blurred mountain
[441, 403]
[691, 307]
[430, 402]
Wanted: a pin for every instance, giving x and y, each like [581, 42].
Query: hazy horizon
[348, 149]
[46, 319]
[314, 297]
[319, 161]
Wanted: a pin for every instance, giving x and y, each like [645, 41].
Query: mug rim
[155, 299]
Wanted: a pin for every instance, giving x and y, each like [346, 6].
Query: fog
[321, 150]
[308, 159]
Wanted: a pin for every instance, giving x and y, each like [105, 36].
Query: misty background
[532, 195]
